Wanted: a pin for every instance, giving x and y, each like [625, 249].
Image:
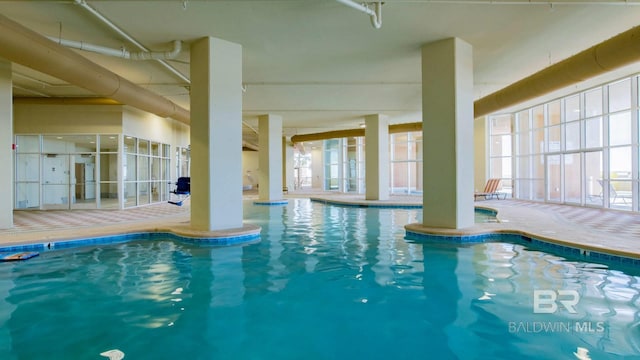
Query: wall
[148, 126]
[66, 119]
[250, 168]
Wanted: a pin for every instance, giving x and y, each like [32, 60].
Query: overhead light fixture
[363, 125]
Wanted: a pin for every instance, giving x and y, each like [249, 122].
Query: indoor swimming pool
[324, 282]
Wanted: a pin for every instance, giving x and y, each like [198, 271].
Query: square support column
[376, 137]
[216, 135]
[270, 157]
[6, 144]
[447, 127]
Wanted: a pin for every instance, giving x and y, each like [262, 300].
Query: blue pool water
[325, 282]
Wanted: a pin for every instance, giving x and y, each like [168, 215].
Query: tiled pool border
[579, 253]
[478, 209]
[367, 205]
[121, 238]
[271, 202]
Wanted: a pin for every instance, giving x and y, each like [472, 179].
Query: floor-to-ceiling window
[302, 176]
[69, 171]
[27, 172]
[183, 156]
[66, 171]
[81, 171]
[343, 162]
[621, 144]
[353, 165]
[343, 166]
[580, 149]
[500, 152]
[130, 171]
[108, 171]
[406, 163]
[332, 164]
[146, 172]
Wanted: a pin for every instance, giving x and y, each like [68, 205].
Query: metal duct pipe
[618, 51]
[250, 146]
[393, 129]
[121, 53]
[23, 46]
[83, 4]
[327, 135]
[376, 15]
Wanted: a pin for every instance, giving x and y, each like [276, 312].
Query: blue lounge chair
[182, 191]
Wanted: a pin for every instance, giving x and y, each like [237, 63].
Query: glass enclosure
[500, 151]
[332, 164]
[353, 162]
[80, 171]
[581, 149]
[406, 163]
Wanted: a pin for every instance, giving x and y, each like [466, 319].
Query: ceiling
[320, 64]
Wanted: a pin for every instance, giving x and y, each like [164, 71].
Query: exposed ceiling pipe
[525, 2]
[26, 47]
[114, 27]
[122, 53]
[250, 146]
[250, 127]
[618, 51]
[30, 90]
[376, 15]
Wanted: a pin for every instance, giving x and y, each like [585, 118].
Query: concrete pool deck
[33, 227]
[610, 231]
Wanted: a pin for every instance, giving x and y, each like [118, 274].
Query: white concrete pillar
[376, 142]
[6, 144]
[216, 135]
[447, 127]
[270, 157]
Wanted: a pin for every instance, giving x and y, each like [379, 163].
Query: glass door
[56, 175]
[83, 181]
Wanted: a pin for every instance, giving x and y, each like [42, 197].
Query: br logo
[546, 301]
